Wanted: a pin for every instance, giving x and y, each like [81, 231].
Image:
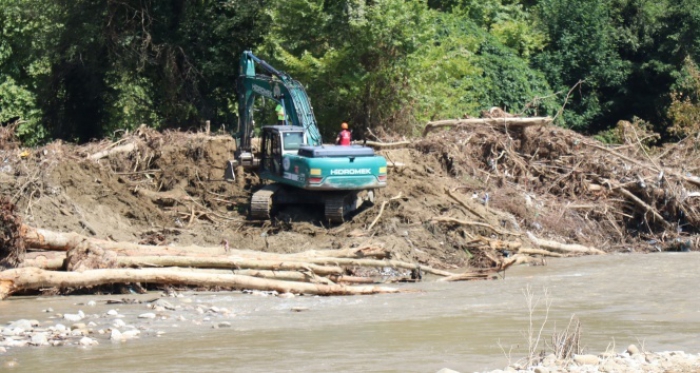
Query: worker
[279, 110]
[345, 136]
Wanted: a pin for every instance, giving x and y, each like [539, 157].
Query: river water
[652, 301]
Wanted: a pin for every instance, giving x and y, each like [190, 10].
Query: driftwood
[377, 264]
[567, 248]
[500, 123]
[24, 279]
[126, 148]
[230, 262]
[381, 210]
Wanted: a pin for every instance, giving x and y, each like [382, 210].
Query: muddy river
[652, 301]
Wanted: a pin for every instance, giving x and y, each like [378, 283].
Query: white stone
[632, 350]
[286, 295]
[72, 317]
[39, 339]
[87, 341]
[116, 335]
[21, 324]
[147, 315]
[443, 370]
[112, 313]
[2, 350]
[541, 370]
[60, 328]
[130, 334]
[118, 323]
[92, 324]
[78, 325]
[586, 359]
[92, 303]
[76, 333]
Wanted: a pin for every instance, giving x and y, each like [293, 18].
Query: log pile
[555, 192]
[67, 261]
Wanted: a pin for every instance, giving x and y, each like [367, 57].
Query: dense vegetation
[83, 69]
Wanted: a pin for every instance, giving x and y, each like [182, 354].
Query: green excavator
[292, 156]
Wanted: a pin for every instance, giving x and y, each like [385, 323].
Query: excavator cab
[278, 141]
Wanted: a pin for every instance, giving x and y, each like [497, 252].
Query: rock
[632, 350]
[550, 361]
[112, 313]
[87, 342]
[586, 359]
[78, 326]
[48, 310]
[92, 303]
[77, 333]
[165, 304]
[224, 324]
[299, 309]
[118, 323]
[443, 370]
[290, 295]
[131, 334]
[39, 339]
[60, 328]
[25, 325]
[2, 350]
[92, 324]
[147, 315]
[541, 370]
[74, 317]
[116, 335]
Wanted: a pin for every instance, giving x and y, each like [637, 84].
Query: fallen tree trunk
[26, 279]
[126, 148]
[568, 248]
[499, 123]
[377, 264]
[224, 262]
[42, 239]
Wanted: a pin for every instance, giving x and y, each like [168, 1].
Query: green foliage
[86, 69]
[684, 111]
[582, 46]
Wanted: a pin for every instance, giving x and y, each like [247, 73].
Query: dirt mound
[445, 192]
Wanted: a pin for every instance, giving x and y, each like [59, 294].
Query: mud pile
[514, 183]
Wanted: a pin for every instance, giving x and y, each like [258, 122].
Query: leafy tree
[582, 47]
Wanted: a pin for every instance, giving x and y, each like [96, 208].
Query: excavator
[292, 156]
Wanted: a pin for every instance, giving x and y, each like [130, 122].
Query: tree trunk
[23, 279]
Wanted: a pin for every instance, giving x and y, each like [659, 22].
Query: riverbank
[463, 326]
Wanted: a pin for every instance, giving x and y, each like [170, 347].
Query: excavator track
[335, 209]
[339, 207]
[261, 203]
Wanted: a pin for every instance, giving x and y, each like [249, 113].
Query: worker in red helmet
[345, 136]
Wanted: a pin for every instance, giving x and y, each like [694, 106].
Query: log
[481, 275]
[43, 239]
[377, 264]
[567, 248]
[443, 219]
[225, 262]
[498, 123]
[646, 207]
[533, 251]
[126, 148]
[27, 279]
[464, 204]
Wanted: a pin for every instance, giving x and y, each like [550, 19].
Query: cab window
[293, 140]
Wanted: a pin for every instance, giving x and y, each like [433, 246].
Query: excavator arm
[277, 86]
